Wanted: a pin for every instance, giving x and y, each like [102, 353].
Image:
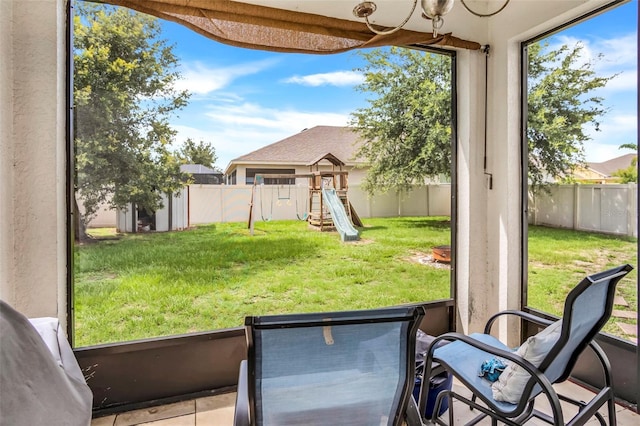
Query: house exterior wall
[33, 233]
[105, 218]
[356, 175]
[589, 174]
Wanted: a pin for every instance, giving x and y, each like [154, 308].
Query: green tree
[202, 153]
[560, 105]
[407, 127]
[124, 95]
[629, 174]
[406, 130]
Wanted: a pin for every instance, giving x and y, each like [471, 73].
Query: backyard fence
[608, 208]
[215, 203]
[597, 208]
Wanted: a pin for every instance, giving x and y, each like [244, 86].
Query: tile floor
[218, 411]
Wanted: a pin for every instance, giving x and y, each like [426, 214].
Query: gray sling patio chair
[337, 368]
[541, 361]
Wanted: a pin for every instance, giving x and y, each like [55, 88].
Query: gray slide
[339, 215]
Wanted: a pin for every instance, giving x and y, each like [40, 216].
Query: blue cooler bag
[437, 384]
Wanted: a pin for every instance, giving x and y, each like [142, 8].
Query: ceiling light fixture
[366, 8]
[431, 9]
[435, 10]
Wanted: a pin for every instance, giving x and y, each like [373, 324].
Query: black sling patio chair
[541, 361]
[338, 368]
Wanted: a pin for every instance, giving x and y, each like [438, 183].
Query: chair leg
[241, 414]
[611, 404]
[484, 412]
[412, 416]
[451, 416]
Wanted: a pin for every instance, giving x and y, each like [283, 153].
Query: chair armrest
[525, 315]
[241, 414]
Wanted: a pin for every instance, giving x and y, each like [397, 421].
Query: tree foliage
[560, 106]
[406, 129]
[629, 174]
[203, 153]
[124, 75]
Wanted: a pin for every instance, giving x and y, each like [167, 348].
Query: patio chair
[338, 368]
[544, 359]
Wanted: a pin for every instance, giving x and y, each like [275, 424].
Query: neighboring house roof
[196, 169]
[305, 147]
[202, 174]
[606, 168]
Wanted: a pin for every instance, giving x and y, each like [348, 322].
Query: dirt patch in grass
[427, 260]
[98, 277]
[360, 242]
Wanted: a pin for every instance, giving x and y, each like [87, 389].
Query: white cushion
[510, 385]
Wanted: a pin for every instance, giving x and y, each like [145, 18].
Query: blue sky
[245, 99]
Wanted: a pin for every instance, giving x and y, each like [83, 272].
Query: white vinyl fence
[598, 208]
[215, 203]
[608, 208]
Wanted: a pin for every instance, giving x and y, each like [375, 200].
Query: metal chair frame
[539, 382]
[404, 411]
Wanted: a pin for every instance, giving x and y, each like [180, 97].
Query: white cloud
[615, 130]
[626, 80]
[600, 152]
[619, 56]
[201, 79]
[235, 130]
[248, 114]
[337, 78]
[619, 52]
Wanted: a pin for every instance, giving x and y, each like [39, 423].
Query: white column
[504, 205]
[32, 166]
[473, 289]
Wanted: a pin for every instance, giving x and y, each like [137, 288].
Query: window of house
[581, 152]
[231, 179]
[264, 178]
[132, 282]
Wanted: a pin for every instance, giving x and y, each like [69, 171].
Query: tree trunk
[79, 227]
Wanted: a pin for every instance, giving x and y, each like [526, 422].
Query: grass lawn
[560, 258]
[146, 285]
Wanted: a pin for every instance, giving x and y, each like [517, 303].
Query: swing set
[280, 195]
[316, 211]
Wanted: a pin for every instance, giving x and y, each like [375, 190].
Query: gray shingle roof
[608, 167]
[308, 145]
[196, 169]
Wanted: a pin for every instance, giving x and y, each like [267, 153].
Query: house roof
[197, 169]
[606, 168]
[306, 147]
